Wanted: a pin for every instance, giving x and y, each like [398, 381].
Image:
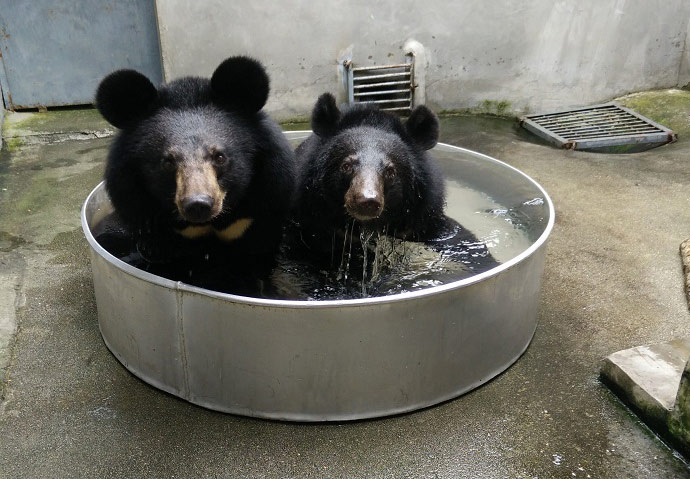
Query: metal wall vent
[597, 127]
[391, 87]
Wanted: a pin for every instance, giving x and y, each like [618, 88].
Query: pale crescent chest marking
[235, 230]
[232, 232]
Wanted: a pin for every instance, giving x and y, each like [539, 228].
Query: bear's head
[185, 150]
[372, 163]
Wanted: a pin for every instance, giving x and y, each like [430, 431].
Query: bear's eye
[389, 172]
[219, 158]
[168, 162]
[346, 167]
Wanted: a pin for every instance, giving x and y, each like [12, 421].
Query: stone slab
[30, 128]
[648, 379]
[649, 375]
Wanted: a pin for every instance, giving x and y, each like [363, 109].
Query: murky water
[371, 263]
[494, 214]
[499, 214]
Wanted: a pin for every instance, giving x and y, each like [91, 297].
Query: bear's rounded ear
[422, 126]
[325, 115]
[240, 84]
[125, 96]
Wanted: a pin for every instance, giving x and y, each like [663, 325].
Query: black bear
[365, 175]
[364, 164]
[198, 175]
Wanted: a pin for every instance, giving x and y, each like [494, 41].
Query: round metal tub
[328, 360]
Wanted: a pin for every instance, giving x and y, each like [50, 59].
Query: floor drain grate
[388, 86]
[595, 127]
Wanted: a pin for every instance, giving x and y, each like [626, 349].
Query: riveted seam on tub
[179, 299]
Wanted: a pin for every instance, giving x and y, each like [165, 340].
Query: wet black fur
[414, 198]
[259, 175]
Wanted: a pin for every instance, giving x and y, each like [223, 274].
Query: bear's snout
[197, 208]
[199, 197]
[364, 198]
[367, 208]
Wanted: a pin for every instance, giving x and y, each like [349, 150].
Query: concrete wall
[684, 71]
[532, 56]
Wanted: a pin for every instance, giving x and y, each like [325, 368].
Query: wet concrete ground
[613, 280]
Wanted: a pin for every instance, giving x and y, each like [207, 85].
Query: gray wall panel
[55, 52]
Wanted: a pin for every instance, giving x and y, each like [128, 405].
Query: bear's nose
[368, 206]
[197, 208]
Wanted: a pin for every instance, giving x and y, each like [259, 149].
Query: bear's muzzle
[198, 195]
[364, 199]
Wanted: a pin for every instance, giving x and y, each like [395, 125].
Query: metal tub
[326, 360]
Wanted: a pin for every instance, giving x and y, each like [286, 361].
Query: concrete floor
[613, 280]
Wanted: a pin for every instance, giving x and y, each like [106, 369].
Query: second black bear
[365, 164]
[199, 176]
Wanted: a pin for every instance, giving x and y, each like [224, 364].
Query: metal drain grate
[597, 127]
[391, 87]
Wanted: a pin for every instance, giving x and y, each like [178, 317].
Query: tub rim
[331, 303]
